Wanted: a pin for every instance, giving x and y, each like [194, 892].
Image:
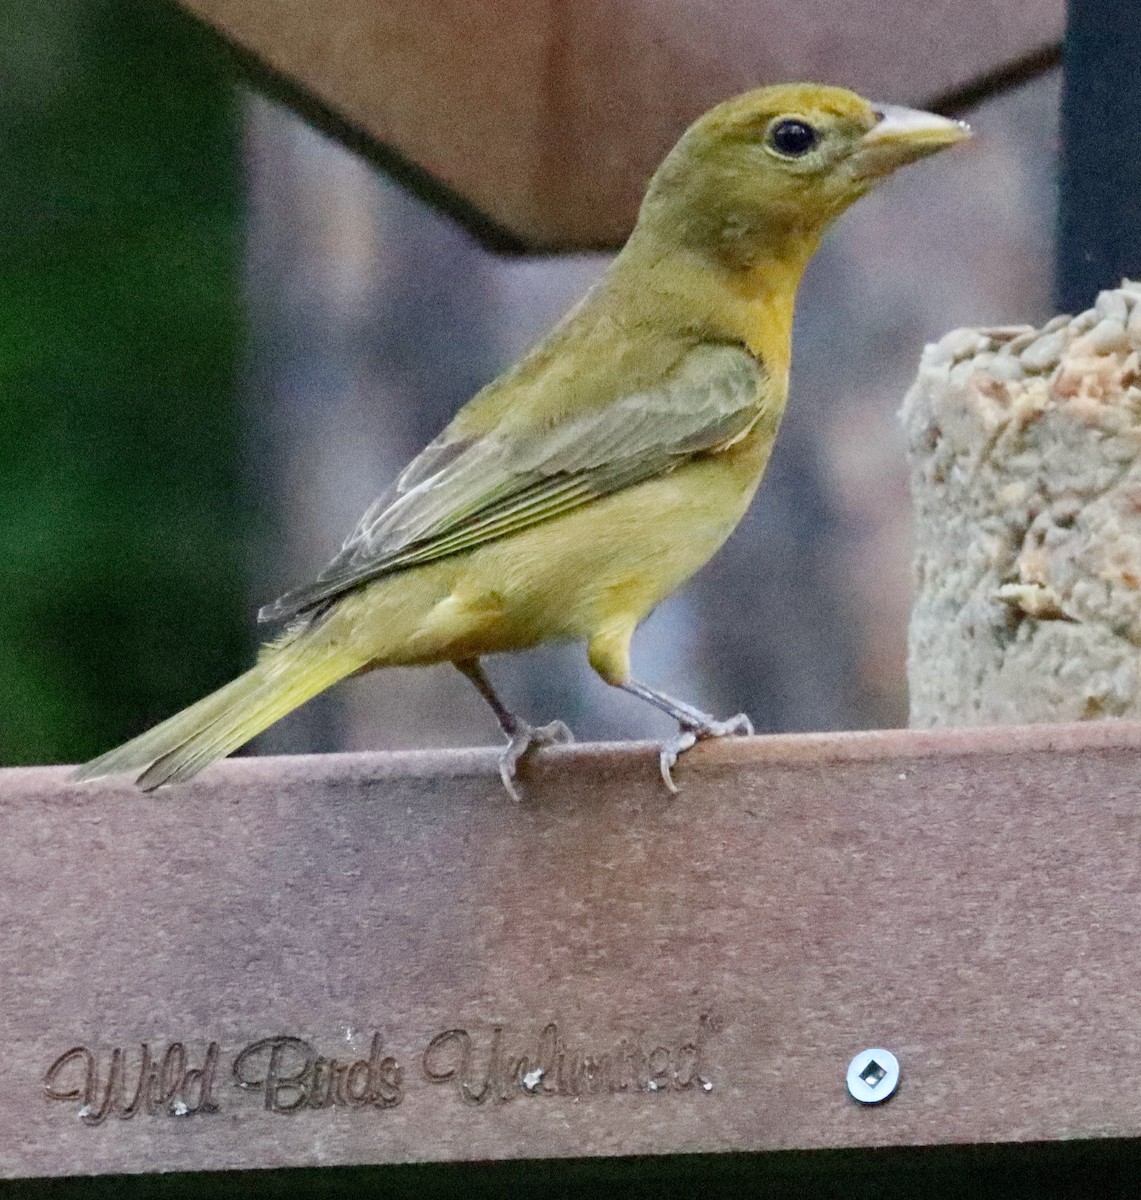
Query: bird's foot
[524, 739]
[692, 730]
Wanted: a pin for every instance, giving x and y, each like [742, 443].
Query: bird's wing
[461, 492]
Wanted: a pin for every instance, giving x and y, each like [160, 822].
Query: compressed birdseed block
[1026, 480]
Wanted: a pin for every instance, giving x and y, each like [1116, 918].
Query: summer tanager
[590, 480]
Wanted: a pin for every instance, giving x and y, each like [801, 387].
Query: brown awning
[539, 121]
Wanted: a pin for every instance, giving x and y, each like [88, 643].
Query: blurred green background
[122, 522]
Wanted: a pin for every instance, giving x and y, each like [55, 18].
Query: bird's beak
[902, 135]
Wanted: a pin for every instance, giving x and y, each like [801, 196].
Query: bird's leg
[693, 725]
[521, 737]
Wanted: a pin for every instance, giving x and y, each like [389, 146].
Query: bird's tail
[288, 673]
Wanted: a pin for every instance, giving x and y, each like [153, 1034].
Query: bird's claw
[525, 739]
[738, 726]
[690, 733]
[554, 733]
[677, 745]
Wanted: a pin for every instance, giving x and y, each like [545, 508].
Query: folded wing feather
[459, 493]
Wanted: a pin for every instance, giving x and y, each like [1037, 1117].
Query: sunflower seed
[1110, 306]
[1108, 337]
[1044, 353]
[1084, 321]
[1006, 368]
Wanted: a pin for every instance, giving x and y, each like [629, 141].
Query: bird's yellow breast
[604, 565]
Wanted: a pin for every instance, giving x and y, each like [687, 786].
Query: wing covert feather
[463, 491]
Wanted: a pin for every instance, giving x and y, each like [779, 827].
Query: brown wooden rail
[373, 944]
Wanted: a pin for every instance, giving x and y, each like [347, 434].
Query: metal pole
[1099, 211]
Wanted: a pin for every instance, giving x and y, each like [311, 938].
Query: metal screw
[873, 1075]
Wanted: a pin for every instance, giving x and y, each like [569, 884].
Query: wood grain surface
[543, 119]
[381, 958]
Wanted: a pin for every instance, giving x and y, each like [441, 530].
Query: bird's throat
[759, 301]
[747, 299]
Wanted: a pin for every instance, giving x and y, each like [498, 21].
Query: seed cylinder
[1025, 458]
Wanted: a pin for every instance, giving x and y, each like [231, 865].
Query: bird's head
[768, 171]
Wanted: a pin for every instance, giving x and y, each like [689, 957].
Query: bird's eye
[792, 138]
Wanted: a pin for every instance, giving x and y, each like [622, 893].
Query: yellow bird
[590, 480]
